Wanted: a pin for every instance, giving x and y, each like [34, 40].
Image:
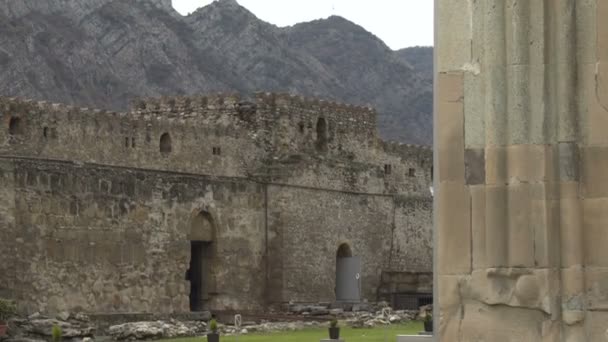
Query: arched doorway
[202, 236]
[348, 279]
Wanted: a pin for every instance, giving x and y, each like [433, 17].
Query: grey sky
[399, 23]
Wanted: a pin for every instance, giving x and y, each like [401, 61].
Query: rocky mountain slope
[102, 53]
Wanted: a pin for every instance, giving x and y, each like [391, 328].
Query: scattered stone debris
[156, 330]
[79, 328]
[361, 315]
[37, 327]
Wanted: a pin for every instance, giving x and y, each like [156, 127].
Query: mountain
[420, 58]
[103, 53]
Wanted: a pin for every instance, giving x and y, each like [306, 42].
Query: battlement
[408, 151]
[298, 101]
[175, 105]
[263, 105]
[185, 104]
[218, 134]
[390, 145]
[282, 122]
[17, 104]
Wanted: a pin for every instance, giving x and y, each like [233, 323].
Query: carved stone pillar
[521, 170]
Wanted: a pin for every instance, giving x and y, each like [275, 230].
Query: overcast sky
[399, 23]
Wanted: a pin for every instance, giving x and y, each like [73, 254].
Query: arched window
[165, 143]
[15, 126]
[321, 134]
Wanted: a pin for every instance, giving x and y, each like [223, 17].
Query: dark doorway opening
[198, 274]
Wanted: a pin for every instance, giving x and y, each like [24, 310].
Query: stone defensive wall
[105, 212]
[221, 135]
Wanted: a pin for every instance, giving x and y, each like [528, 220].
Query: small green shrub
[56, 333]
[213, 325]
[333, 323]
[7, 310]
[428, 316]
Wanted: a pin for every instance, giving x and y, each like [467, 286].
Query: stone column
[521, 170]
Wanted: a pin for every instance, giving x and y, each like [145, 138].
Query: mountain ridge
[103, 53]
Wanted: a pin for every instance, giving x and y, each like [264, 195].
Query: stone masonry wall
[97, 206]
[310, 235]
[116, 240]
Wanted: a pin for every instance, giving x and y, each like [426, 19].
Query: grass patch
[377, 334]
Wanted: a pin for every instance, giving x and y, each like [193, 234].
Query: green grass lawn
[377, 334]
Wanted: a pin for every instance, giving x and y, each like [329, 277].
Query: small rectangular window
[132, 142]
[217, 151]
[127, 142]
[388, 169]
[411, 172]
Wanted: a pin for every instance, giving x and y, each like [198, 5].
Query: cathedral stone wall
[520, 134]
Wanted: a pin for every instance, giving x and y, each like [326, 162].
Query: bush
[333, 323]
[56, 333]
[7, 310]
[428, 316]
[213, 325]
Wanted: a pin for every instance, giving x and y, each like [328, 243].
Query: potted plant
[334, 330]
[56, 333]
[7, 310]
[428, 322]
[213, 335]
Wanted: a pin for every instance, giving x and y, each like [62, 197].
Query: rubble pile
[79, 328]
[36, 327]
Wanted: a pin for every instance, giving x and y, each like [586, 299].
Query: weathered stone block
[453, 35]
[496, 225]
[496, 165]
[595, 223]
[571, 225]
[573, 302]
[448, 291]
[450, 121]
[545, 226]
[474, 114]
[596, 284]
[595, 171]
[596, 325]
[520, 232]
[474, 166]
[568, 162]
[529, 163]
[499, 323]
[478, 225]
[454, 230]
